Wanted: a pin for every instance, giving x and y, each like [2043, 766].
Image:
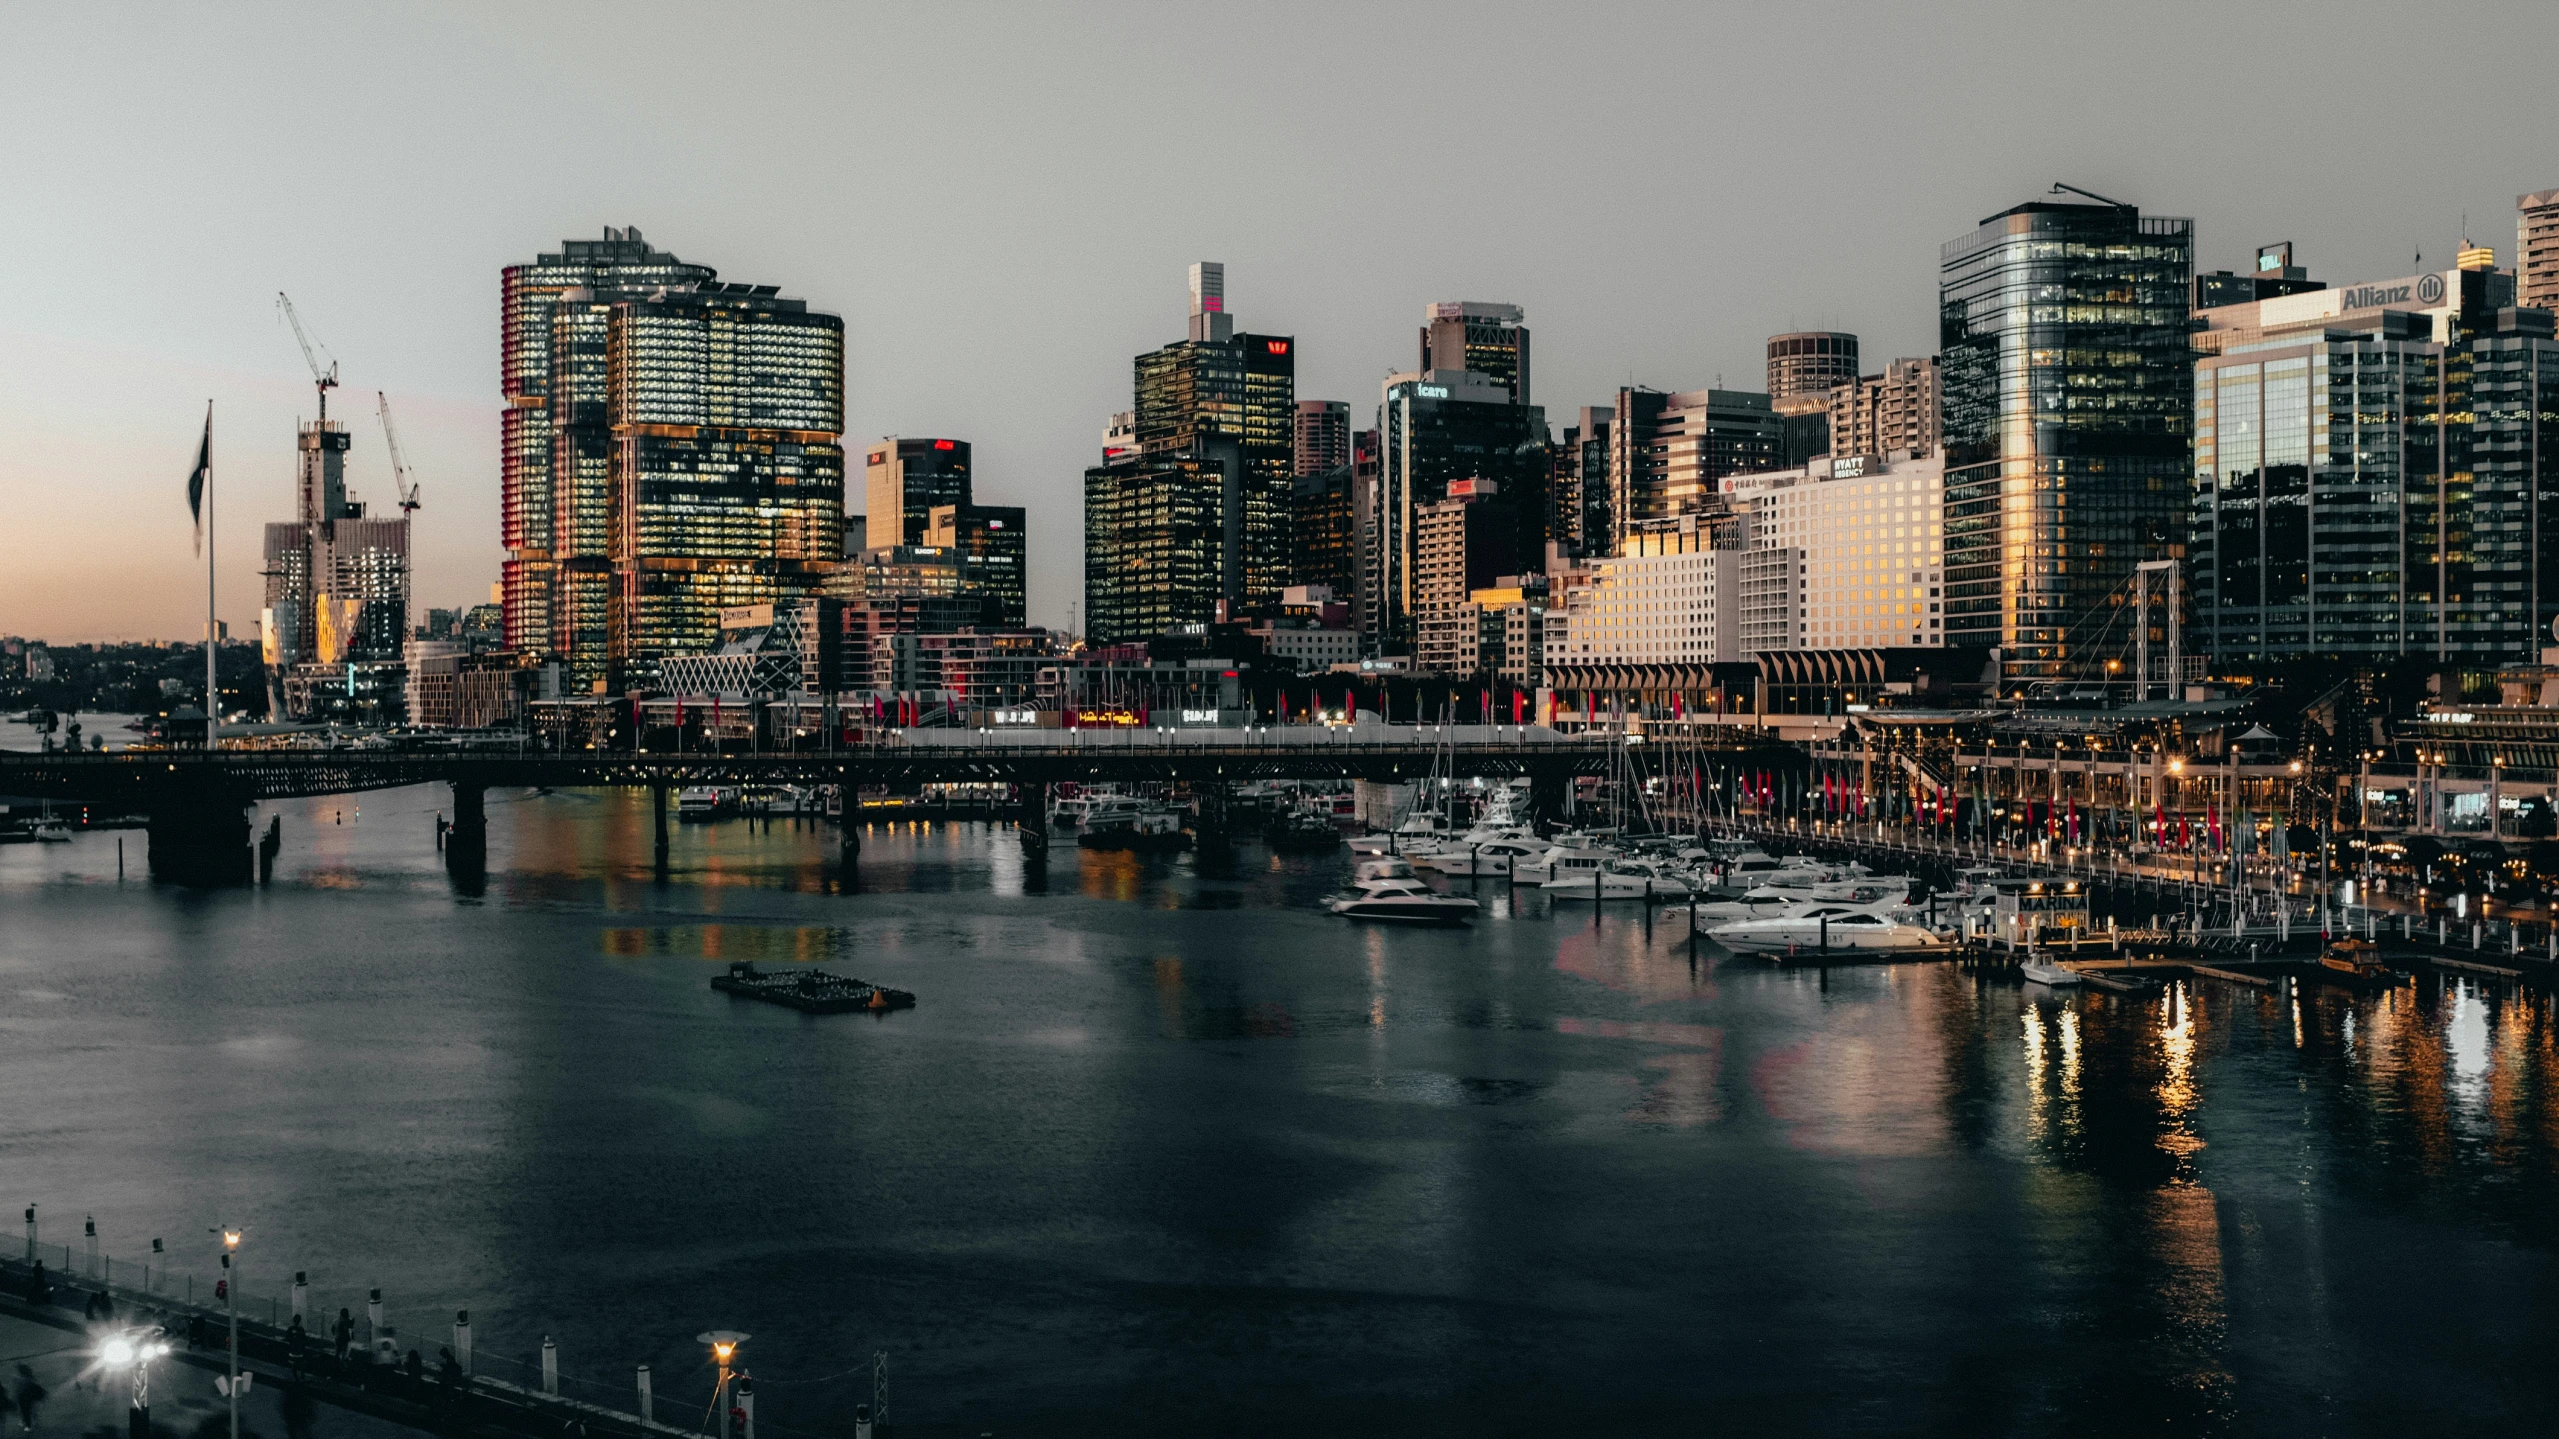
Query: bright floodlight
[117, 1352]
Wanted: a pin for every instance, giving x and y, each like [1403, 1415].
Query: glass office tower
[2369, 471]
[2069, 395]
[1196, 516]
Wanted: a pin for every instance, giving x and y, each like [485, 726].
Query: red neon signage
[944, 445]
[1279, 347]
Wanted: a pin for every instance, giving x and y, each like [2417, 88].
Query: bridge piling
[1030, 817]
[199, 837]
[657, 812]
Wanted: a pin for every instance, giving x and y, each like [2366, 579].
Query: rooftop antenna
[2062, 189]
[326, 380]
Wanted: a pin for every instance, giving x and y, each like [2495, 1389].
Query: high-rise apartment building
[669, 451]
[2369, 465]
[1489, 340]
[554, 444]
[1323, 436]
[1196, 518]
[1577, 485]
[1805, 366]
[2068, 414]
[1667, 450]
[2537, 250]
[1897, 411]
[1461, 544]
[1323, 532]
[905, 480]
[1435, 429]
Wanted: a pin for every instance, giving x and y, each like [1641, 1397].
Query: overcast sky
[1001, 201]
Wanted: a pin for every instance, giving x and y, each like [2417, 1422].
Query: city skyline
[159, 287]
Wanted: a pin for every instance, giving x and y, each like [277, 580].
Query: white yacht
[1764, 902]
[1386, 889]
[2040, 972]
[50, 831]
[1493, 856]
[1085, 810]
[705, 802]
[1419, 832]
[1834, 927]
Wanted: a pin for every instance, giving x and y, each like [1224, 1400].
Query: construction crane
[400, 480]
[325, 380]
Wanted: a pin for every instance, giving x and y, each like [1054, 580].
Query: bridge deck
[914, 757]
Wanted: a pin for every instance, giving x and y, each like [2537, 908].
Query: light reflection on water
[1156, 1116]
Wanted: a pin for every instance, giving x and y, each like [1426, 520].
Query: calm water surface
[1165, 1151]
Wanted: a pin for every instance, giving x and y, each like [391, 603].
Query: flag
[201, 476]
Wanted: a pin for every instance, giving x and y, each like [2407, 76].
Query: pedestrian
[295, 1337]
[415, 1368]
[39, 1288]
[344, 1332]
[30, 1394]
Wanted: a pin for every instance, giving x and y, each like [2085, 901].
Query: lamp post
[231, 1306]
[724, 1345]
[135, 1348]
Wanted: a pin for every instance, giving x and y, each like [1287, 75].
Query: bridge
[199, 832]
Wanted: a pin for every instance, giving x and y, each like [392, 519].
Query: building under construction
[337, 592]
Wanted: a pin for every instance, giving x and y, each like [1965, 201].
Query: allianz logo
[2424, 290]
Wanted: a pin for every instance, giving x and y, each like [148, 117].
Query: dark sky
[1001, 201]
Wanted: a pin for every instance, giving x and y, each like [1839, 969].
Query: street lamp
[724, 1344]
[231, 1305]
[135, 1348]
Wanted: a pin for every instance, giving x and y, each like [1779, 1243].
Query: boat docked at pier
[1826, 928]
[696, 804]
[1148, 830]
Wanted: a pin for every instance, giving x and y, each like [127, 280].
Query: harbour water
[1168, 1151]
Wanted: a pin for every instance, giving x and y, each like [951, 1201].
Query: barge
[811, 991]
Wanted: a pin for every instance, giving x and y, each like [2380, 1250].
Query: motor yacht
[1083, 811]
[703, 802]
[1421, 832]
[1828, 927]
[1492, 856]
[1386, 889]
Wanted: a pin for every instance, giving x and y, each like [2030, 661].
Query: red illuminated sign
[944, 445]
[1279, 347]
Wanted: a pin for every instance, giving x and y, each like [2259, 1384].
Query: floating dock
[811, 991]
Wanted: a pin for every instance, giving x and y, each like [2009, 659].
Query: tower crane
[325, 380]
[400, 480]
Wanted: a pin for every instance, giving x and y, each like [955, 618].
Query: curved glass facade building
[2069, 398]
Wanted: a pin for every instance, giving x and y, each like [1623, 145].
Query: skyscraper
[904, 480]
[1896, 410]
[554, 445]
[2069, 410]
[1489, 340]
[1578, 488]
[2368, 466]
[1667, 450]
[1323, 436]
[993, 548]
[1805, 366]
[1197, 517]
[2537, 250]
[669, 450]
[1434, 430]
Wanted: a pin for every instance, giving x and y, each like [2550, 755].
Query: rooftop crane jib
[325, 380]
[400, 480]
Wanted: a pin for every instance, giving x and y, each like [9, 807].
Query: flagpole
[212, 684]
